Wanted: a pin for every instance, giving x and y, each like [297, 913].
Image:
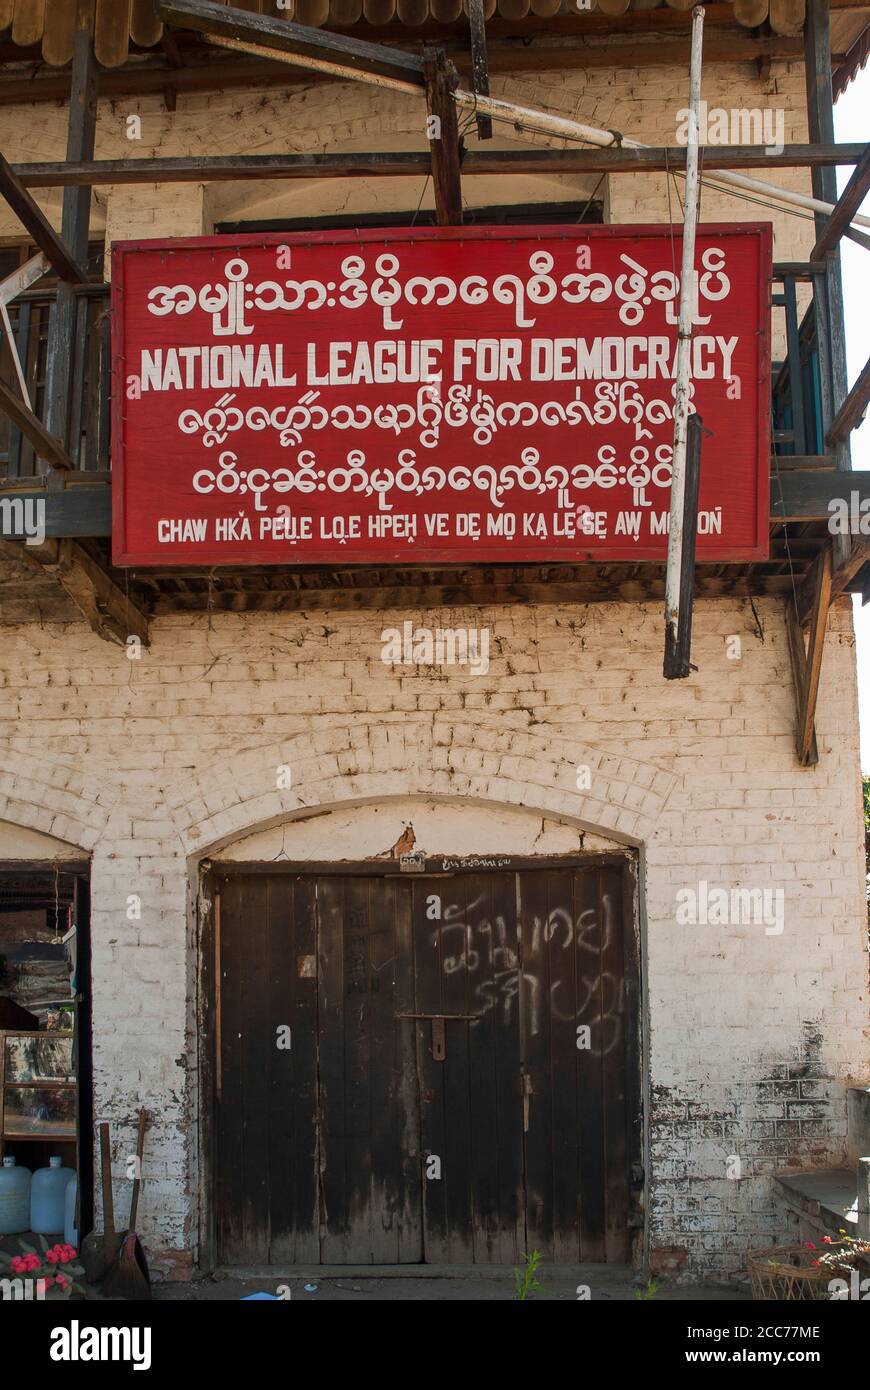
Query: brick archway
[606, 793]
[48, 797]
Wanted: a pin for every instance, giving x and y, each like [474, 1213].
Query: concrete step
[827, 1197]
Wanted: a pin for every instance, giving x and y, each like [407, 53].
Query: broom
[128, 1276]
[100, 1248]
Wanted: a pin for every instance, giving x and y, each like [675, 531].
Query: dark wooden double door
[435, 1068]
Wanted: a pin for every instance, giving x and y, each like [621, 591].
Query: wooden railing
[803, 419]
[88, 441]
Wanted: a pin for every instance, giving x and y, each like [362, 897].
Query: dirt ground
[453, 1285]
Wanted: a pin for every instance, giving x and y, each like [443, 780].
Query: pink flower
[70, 1250]
[32, 1262]
[65, 1257]
[808, 1245]
[827, 1240]
[64, 1283]
[48, 1281]
[52, 1257]
[18, 1265]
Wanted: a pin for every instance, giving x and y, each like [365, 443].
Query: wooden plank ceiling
[50, 23]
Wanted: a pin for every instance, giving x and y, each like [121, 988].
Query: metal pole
[684, 339]
[678, 646]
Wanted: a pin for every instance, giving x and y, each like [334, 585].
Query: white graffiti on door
[552, 983]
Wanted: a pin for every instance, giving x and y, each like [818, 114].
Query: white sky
[852, 122]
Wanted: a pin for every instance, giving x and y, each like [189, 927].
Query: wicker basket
[786, 1273]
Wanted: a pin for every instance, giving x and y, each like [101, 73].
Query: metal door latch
[439, 1039]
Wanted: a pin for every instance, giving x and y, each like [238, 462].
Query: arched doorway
[434, 1060]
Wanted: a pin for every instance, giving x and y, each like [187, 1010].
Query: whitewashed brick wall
[152, 765]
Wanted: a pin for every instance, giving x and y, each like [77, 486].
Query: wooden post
[442, 128]
[479, 62]
[66, 318]
[820, 121]
[678, 642]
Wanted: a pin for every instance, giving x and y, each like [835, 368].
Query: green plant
[524, 1279]
[650, 1291]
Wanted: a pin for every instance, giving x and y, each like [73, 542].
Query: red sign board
[465, 394]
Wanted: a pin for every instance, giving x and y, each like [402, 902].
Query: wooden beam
[151, 78]
[220, 168]
[396, 164]
[852, 411]
[847, 205]
[807, 666]
[542, 57]
[797, 270]
[46, 445]
[790, 463]
[175, 60]
[75, 511]
[804, 496]
[442, 129]
[842, 576]
[470, 588]
[148, 77]
[356, 57]
[352, 56]
[112, 614]
[30, 214]
[798, 657]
